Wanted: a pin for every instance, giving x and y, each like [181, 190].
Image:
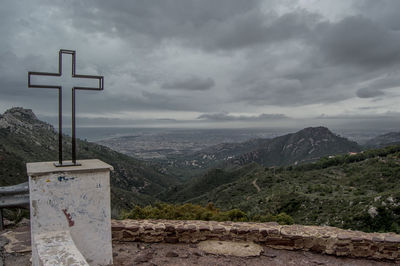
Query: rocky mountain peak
[315, 131]
[23, 114]
[18, 117]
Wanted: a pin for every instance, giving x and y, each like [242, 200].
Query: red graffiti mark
[69, 218]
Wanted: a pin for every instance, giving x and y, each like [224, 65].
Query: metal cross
[74, 88]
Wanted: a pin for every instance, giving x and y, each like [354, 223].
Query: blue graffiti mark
[65, 178]
[98, 185]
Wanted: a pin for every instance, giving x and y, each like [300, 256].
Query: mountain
[384, 140]
[24, 138]
[360, 192]
[306, 145]
[192, 165]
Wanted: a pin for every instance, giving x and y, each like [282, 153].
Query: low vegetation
[190, 211]
[359, 192]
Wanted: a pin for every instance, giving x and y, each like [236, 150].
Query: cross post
[74, 88]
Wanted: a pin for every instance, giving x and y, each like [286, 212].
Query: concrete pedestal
[74, 199]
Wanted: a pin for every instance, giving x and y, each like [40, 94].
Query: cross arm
[31, 73]
[99, 78]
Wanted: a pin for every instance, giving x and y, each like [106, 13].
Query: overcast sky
[225, 63]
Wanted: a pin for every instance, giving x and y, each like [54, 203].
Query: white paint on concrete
[56, 248]
[74, 199]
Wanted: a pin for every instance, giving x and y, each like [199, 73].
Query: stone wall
[326, 240]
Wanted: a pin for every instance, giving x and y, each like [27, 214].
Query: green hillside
[358, 192]
[24, 138]
[306, 145]
[309, 144]
[203, 184]
[392, 138]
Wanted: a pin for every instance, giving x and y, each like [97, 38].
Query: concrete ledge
[325, 240]
[43, 168]
[57, 248]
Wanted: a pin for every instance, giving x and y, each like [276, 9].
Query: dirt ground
[135, 253]
[15, 250]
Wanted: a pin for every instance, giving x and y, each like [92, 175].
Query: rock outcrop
[18, 118]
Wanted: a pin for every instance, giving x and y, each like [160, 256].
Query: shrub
[281, 218]
[186, 211]
[284, 218]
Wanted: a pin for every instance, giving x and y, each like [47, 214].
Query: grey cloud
[368, 93]
[377, 86]
[191, 83]
[274, 91]
[211, 25]
[13, 77]
[333, 58]
[388, 81]
[160, 101]
[258, 28]
[352, 116]
[385, 12]
[358, 40]
[168, 19]
[227, 117]
[243, 54]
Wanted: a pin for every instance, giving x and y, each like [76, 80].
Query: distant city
[157, 143]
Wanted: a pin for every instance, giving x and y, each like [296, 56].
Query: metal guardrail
[13, 197]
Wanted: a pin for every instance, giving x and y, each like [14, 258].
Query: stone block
[74, 199]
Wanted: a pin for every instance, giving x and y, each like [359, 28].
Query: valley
[361, 192]
[312, 176]
[187, 154]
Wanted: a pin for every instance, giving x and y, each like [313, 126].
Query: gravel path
[255, 185]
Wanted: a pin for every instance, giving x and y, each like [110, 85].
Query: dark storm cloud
[204, 56]
[191, 83]
[254, 28]
[209, 24]
[157, 20]
[333, 60]
[227, 117]
[358, 40]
